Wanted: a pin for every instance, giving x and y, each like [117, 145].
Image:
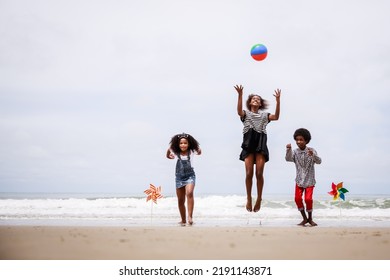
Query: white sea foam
[211, 210]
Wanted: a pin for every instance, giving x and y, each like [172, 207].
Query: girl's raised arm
[275, 117]
[239, 89]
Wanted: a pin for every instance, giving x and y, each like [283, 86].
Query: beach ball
[259, 52]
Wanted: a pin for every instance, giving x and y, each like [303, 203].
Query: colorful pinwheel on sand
[153, 193]
[338, 191]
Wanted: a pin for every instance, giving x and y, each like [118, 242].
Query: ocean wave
[211, 207]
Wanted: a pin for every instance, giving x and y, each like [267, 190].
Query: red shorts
[308, 191]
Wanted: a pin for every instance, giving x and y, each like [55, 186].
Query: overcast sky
[92, 91]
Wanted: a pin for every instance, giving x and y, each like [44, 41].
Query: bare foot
[249, 205]
[257, 205]
[303, 223]
[190, 221]
[312, 223]
[182, 223]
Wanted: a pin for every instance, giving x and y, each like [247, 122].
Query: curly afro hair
[193, 144]
[304, 133]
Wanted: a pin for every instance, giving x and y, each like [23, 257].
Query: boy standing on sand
[304, 159]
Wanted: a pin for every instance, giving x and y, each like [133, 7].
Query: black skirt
[254, 142]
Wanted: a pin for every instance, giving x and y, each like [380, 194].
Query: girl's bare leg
[260, 162]
[249, 162]
[190, 202]
[181, 199]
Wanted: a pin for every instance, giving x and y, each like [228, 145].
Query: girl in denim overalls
[183, 146]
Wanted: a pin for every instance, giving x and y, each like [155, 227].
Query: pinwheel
[153, 193]
[338, 191]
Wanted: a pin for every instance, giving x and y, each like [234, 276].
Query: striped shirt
[304, 164]
[257, 121]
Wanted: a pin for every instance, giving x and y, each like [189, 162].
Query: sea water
[210, 210]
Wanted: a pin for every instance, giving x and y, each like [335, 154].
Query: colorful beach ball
[259, 52]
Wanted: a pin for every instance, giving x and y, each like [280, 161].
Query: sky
[92, 91]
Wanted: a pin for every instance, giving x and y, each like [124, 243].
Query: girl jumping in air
[254, 145]
[184, 147]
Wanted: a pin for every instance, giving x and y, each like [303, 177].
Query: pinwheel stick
[151, 213]
[340, 205]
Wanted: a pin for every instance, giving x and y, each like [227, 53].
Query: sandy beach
[197, 243]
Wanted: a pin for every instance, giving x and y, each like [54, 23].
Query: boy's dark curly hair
[193, 144]
[304, 133]
[264, 103]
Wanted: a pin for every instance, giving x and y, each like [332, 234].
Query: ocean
[41, 209]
